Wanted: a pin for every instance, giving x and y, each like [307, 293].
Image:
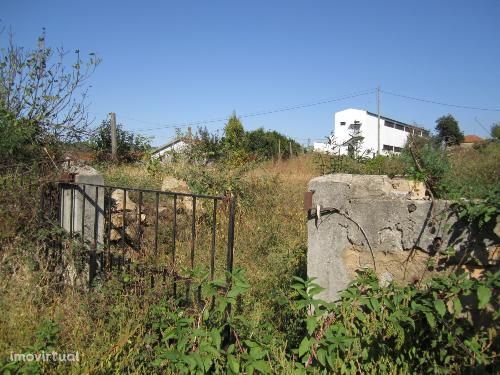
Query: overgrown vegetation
[42, 98]
[131, 147]
[445, 325]
[265, 320]
[236, 147]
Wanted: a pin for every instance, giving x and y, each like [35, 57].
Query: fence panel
[178, 240]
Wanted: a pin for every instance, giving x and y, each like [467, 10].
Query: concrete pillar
[84, 203]
[359, 221]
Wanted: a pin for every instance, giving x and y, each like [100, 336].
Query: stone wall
[359, 221]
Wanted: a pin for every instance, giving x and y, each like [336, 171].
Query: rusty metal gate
[166, 237]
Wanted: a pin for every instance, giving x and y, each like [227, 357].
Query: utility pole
[378, 120]
[114, 145]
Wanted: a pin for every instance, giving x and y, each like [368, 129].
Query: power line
[481, 125]
[255, 114]
[440, 103]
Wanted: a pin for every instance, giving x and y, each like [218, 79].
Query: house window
[387, 148]
[400, 127]
[342, 122]
[397, 149]
[389, 124]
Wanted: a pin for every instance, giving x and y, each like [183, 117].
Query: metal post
[214, 234]
[124, 211]
[83, 214]
[174, 235]
[157, 206]
[230, 234]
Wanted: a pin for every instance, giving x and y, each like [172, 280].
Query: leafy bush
[474, 173]
[264, 144]
[426, 160]
[237, 146]
[130, 147]
[17, 142]
[447, 326]
[388, 165]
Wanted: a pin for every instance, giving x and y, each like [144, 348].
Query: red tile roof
[472, 139]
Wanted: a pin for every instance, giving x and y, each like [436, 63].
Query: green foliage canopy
[17, 137]
[448, 130]
[130, 146]
[264, 144]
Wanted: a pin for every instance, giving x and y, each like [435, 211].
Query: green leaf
[216, 339]
[304, 346]
[457, 306]
[257, 353]
[311, 324]
[262, 366]
[374, 305]
[321, 356]
[206, 315]
[430, 319]
[484, 295]
[233, 363]
[440, 307]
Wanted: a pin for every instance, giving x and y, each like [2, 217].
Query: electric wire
[255, 114]
[440, 103]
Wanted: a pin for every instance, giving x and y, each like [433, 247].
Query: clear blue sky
[168, 62]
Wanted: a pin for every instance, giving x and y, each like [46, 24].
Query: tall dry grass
[270, 243]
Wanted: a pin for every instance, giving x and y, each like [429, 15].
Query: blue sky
[174, 62]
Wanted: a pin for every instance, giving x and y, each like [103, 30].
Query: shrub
[17, 142]
[130, 147]
[447, 326]
[264, 144]
[426, 160]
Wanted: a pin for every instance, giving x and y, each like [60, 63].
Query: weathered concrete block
[81, 205]
[355, 213]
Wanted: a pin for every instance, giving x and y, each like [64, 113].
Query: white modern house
[379, 134]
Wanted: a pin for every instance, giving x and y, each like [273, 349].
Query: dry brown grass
[270, 244]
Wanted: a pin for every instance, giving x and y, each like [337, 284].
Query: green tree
[495, 131]
[448, 130]
[234, 133]
[234, 143]
[130, 146]
[37, 85]
[264, 144]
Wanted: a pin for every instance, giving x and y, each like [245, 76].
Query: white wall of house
[393, 134]
[166, 153]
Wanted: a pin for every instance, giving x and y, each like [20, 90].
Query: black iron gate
[174, 238]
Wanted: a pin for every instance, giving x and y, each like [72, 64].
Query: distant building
[470, 140]
[170, 149]
[358, 129]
